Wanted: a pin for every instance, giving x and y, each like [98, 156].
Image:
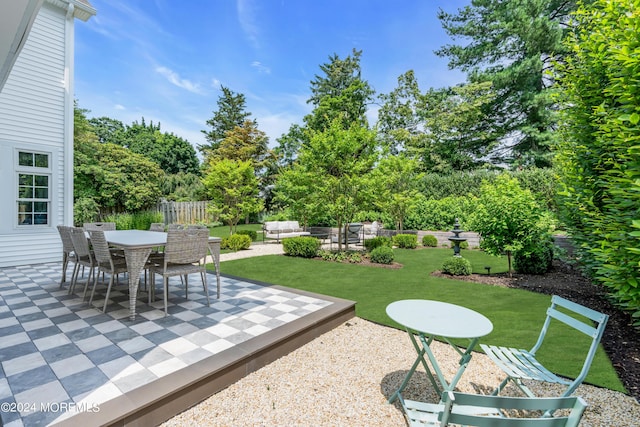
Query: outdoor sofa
[282, 229]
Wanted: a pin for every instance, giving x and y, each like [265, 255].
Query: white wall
[32, 117]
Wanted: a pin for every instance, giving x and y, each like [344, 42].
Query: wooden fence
[184, 212]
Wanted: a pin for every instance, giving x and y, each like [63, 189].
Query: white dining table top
[138, 239]
[439, 318]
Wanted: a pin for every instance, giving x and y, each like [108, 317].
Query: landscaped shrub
[440, 214]
[134, 221]
[251, 233]
[405, 241]
[457, 266]
[305, 247]
[236, 242]
[353, 257]
[430, 241]
[534, 260]
[382, 255]
[376, 242]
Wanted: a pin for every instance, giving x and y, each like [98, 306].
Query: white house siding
[32, 117]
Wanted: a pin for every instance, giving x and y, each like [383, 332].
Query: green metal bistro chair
[521, 364]
[491, 411]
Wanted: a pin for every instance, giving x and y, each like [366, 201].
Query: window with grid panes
[34, 192]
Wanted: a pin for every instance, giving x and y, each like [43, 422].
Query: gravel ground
[344, 378]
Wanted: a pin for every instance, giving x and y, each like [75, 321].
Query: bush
[305, 247]
[353, 257]
[236, 242]
[382, 255]
[441, 214]
[430, 241]
[457, 266]
[135, 221]
[534, 260]
[376, 242]
[253, 235]
[405, 241]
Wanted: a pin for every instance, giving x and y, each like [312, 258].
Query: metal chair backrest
[454, 410]
[105, 226]
[564, 311]
[186, 246]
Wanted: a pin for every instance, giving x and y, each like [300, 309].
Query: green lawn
[517, 314]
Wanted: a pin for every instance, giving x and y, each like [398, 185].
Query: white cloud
[215, 83]
[248, 21]
[174, 78]
[260, 67]
[119, 107]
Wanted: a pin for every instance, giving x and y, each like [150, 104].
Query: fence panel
[184, 212]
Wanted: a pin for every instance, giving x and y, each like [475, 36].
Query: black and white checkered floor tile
[57, 352]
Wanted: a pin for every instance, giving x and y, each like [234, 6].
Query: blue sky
[165, 60]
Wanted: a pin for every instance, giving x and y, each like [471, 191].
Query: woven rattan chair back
[101, 248]
[156, 226]
[104, 226]
[186, 246]
[68, 254]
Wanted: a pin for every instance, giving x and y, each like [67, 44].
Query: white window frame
[34, 171]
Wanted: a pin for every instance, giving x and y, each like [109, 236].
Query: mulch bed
[621, 340]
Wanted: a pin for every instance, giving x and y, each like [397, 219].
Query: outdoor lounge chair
[351, 235]
[84, 258]
[522, 365]
[490, 411]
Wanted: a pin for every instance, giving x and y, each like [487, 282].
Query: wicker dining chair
[104, 226]
[156, 226]
[106, 263]
[68, 255]
[84, 258]
[182, 256]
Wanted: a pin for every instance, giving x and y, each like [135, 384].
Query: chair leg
[205, 286]
[74, 278]
[186, 286]
[165, 283]
[93, 289]
[106, 298]
[65, 264]
[92, 275]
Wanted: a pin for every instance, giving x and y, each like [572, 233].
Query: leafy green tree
[233, 187]
[396, 187]
[444, 129]
[336, 163]
[172, 153]
[183, 187]
[108, 130]
[112, 176]
[339, 94]
[599, 154]
[231, 112]
[513, 45]
[507, 217]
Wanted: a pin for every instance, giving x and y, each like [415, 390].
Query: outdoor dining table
[137, 245]
[429, 319]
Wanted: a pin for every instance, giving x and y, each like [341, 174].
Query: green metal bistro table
[427, 320]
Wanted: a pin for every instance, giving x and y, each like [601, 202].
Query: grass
[517, 314]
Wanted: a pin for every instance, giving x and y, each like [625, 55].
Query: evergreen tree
[512, 44]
